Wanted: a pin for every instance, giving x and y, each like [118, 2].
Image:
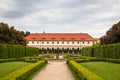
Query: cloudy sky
[61, 16]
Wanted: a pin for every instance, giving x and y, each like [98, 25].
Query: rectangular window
[67, 42]
[32, 42]
[42, 42]
[47, 42]
[72, 42]
[88, 42]
[52, 42]
[37, 42]
[57, 42]
[83, 42]
[78, 42]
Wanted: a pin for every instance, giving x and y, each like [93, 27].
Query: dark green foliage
[87, 51]
[107, 51]
[103, 51]
[112, 35]
[63, 50]
[16, 51]
[27, 33]
[31, 51]
[9, 35]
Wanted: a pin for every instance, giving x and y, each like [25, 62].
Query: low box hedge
[83, 73]
[11, 59]
[23, 73]
[91, 59]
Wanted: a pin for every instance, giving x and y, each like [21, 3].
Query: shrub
[83, 73]
[16, 51]
[102, 51]
[87, 51]
[23, 73]
[31, 51]
[11, 59]
[91, 59]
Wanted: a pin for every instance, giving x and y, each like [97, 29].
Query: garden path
[55, 70]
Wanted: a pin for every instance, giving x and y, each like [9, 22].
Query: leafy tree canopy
[112, 35]
[9, 35]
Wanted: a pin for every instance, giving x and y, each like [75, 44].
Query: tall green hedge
[103, 51]
[16, 51]
[108, 51]
[30, 51]
[87, 51]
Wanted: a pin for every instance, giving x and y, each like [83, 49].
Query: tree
[9, 35]
[27, 33]
[112, 35]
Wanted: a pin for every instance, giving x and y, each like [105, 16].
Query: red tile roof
[59, 36]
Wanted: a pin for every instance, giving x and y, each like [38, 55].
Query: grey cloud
[92, 16]
[13, 14]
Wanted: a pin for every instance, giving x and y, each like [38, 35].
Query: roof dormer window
[63, 38]
[43, 38]
[33, 38]
[73, 38]
[53, 38]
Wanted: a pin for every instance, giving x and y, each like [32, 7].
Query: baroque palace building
[60, 40]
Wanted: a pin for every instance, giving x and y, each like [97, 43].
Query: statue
[57, 55]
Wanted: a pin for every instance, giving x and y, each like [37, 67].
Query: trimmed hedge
[23, 73]
[16, 51]
[11, 60]
[83, 73]
[98, 59]
[102, 51]
[87, 51]
[25, 59]
[108, 51]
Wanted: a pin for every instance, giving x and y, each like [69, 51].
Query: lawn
[108, 71]
[6, 68]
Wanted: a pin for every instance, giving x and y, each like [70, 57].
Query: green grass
[108, 71]
[6, 68]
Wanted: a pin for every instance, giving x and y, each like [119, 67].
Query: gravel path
[55, 70]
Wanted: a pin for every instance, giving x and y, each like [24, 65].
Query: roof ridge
[58, 33]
